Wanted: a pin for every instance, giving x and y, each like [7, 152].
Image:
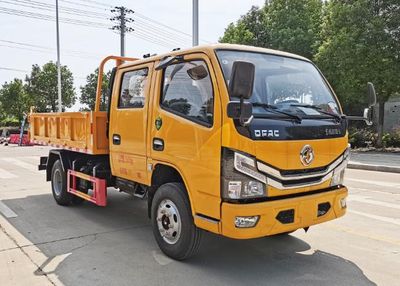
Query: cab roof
[210, 49]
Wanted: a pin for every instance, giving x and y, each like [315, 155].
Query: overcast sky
[82, 47]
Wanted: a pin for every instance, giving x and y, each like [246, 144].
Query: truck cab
[240, 141]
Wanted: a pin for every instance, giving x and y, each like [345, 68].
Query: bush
[391, 139]
[361, 138]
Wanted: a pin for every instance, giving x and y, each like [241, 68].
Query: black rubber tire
[63, 198]
[189, 242]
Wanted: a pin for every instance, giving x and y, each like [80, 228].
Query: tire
[171, 198]
[59, 185]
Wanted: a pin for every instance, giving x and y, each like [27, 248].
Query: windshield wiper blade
[274, 109]
[320, 110]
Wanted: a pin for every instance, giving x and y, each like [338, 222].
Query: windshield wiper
[274, 109]
[320, 110]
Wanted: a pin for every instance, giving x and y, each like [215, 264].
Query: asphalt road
[42, 243]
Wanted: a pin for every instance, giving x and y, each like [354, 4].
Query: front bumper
[305, 214]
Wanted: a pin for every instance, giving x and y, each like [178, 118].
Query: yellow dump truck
[240, 141]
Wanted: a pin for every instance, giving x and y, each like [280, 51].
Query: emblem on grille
[306, 155]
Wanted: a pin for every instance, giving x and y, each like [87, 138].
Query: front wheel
[172, 222]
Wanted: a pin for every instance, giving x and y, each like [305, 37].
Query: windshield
[283, 84]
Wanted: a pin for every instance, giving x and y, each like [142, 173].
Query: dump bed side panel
[78, 131]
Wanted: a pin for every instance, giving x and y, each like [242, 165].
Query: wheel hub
[169, 221]
[57, 182]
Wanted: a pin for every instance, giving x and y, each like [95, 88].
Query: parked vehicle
[240, 141]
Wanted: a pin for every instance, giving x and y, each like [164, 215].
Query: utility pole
[58, 62]
[195, 23]
[121, 21]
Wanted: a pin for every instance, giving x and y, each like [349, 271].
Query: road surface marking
[6, 175]
[377, 217]
[363, 234]
[376, 183]
[6, 211]
[21, 164]
[372, 201]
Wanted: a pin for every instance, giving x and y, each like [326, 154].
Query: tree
[292, 26]
[42, 86]
[248, 30]
[361, 44]
[14, 99]
[88, 91]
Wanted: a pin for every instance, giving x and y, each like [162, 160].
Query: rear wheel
[172, 222]
[59, 185]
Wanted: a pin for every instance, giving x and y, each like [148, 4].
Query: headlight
[338, 173]
[247, 166]
[240, 177]
[338, 177]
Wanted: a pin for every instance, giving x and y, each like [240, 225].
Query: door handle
[158, 144]
[116, 139]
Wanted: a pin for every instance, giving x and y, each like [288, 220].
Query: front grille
[288, 183]
[303, 171]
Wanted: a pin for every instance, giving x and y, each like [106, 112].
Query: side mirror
[242, 80]
[369, 112]
[198, 72]
[369, 115]
[371, 94]
[240, 110]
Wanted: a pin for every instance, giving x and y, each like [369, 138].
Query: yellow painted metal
[80, 131]
[194, 150]
[306, 210]
[191, 149]
[129, 158]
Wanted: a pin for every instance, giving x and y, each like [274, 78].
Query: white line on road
[6, 175]
[371, 201]
[6, 211]
[377, 217]
[21, 164]
[376, 183]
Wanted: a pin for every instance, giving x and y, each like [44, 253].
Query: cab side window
[132, 94]
[187, 91]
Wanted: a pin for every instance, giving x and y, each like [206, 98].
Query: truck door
[186, 128]
[128, 123]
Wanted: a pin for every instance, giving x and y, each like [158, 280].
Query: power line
[96, 2]
[140, 15]
[84, 5]
[88, 54]
[45, 17]
[12, 69]
[46, 7]
[47, 52]
[150, 33]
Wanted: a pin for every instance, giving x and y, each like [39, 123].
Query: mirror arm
[244, 122]
[355, 118]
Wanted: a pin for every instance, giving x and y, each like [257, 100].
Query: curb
[378, 168]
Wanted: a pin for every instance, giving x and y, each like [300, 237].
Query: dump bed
[78, 131]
